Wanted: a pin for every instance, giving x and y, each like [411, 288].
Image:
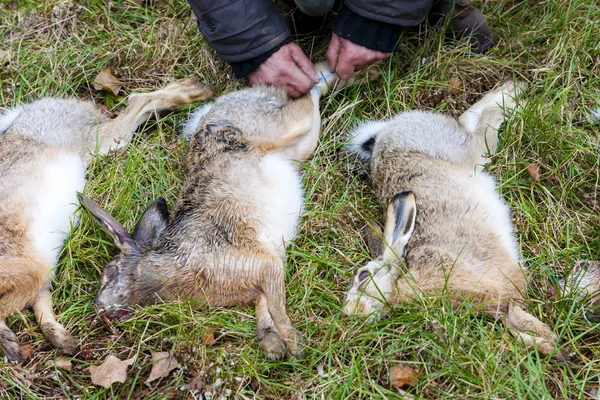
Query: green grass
[57, 48]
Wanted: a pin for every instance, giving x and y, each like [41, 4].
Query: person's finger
[345, 66]
[333, 52]
[305, 65]
[301, 82]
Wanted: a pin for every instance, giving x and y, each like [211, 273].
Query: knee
[314, 8]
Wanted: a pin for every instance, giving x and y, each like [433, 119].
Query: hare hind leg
[274, 292]
[484, 118]
[533, 332]
[505, 96]
[303, 148]
[268, 337]
[116, 133]
[51, 328]
[299, 134]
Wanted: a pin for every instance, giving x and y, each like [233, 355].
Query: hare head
[373, 283]
[584, 282]
[120, 280]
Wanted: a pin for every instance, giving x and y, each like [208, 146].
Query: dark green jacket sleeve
[240, 30]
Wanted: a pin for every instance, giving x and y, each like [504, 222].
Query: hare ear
[399, 225]
[121, 237]
[152, 223]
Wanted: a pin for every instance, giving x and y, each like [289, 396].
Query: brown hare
[45, 147]
[225, 242]
[447, 230]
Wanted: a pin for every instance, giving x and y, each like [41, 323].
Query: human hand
[288, 68]
[346, 57]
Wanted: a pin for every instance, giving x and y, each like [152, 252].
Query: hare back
[459, 210]
[490, 277]
[437, 135]
[67, 123]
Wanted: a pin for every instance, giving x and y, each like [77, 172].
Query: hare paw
[273, 346]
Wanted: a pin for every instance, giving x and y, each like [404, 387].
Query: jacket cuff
[242, 69]
[366, 32]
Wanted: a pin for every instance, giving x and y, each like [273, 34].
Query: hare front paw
[273, 346]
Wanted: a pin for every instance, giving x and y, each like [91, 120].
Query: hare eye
[363, 275]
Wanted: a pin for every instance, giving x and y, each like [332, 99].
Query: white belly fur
[54, 204]
[280, 200]
[498, 216]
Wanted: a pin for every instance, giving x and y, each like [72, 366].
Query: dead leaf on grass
[162, 364]
[110, 371]
[60, 362]
[534, 171]
[4, 56]
[26, 351]
[107, 81]
[455, 84]
[209, 338]
[196, 383]
[403, 375]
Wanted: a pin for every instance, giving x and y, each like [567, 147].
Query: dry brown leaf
[110, 371]
[534, 171]
[26, 351]
[196, 383]
[455, 84]
[107, 81]
[60, 362]
[162, 364]
[209, 338]
[403, 375]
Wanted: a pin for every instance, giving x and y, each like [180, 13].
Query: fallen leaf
[26, 351]
[455, 84]
[209, 338]
[196, 383]
[403, 375]
[110, 371]
[60, 362]
[4, 56]
[162, 364]
[534, 171]
[107, 81]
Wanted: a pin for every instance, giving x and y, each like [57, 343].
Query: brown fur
[461, 241]
[221, 244]
[36, 136]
